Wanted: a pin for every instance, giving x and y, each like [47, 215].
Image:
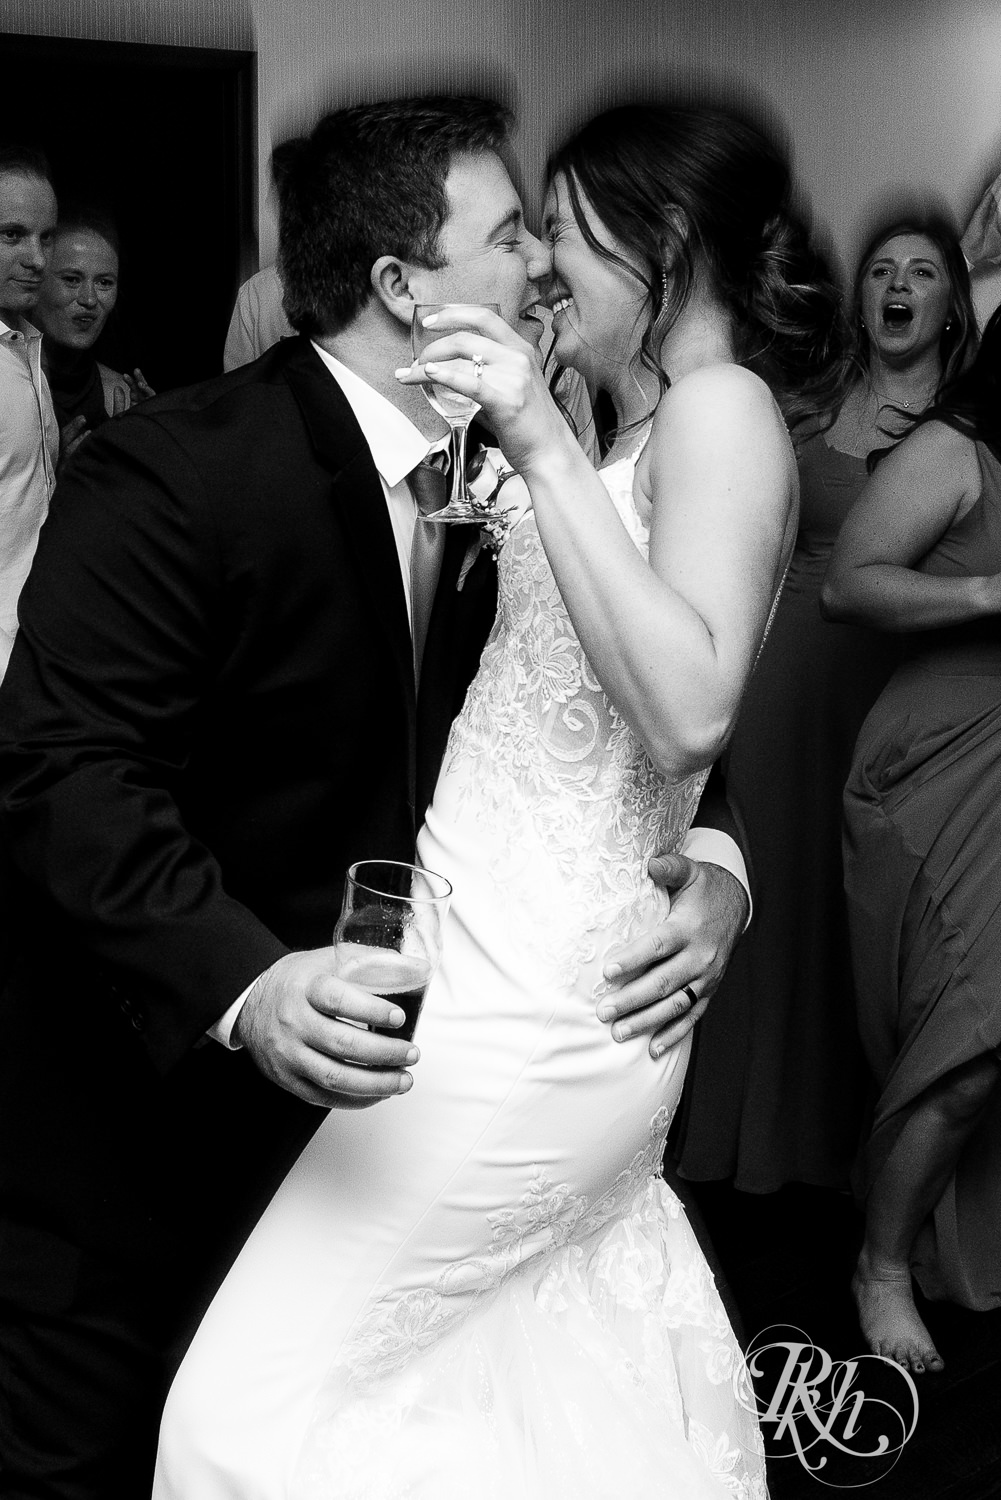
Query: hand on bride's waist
[660, 984]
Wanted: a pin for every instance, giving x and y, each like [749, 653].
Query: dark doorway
[165, 139]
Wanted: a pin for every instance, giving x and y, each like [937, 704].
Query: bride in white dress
[485, 1289]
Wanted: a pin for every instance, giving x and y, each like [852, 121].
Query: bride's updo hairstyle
[698, 191]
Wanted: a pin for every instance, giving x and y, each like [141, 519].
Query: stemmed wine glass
[457, 410]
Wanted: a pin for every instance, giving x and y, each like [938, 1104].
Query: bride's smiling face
[600, 308]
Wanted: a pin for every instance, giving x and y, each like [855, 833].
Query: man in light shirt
[258, 319]
[29, 435]
[211, 711]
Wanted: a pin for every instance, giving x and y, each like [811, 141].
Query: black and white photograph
[500, 749]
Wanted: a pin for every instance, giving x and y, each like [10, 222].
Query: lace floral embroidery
[399, 1326]
[557, 783]
[728, 1463]
[641, 1263]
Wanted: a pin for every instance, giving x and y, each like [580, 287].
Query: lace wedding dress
[484, 1288]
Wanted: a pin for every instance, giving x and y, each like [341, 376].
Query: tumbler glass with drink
[388, 937]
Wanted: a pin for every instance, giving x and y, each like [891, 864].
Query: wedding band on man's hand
[687, 990]
[478, 367]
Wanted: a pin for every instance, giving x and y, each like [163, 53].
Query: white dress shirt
[29, 448]
[397, 447]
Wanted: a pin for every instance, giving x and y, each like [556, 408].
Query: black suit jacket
[208, 714]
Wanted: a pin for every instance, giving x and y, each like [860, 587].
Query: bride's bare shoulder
[719, 406]
[718, 389]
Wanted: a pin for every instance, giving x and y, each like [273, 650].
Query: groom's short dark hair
[370, 181]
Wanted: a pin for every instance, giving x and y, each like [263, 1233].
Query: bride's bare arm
[671, 640]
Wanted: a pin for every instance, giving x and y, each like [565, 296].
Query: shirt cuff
[713, 847]
[222, 1031]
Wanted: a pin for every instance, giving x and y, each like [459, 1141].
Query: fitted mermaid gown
[484, 1288]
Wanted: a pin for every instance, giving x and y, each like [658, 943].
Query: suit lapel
[459, 625]
[460, 540]
[459, 621]
[457, 544]
[356, 493]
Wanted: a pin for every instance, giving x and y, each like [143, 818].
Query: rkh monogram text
[814, 1407]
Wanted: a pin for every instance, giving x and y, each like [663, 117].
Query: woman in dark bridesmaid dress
[921, 554]
[777, 1085]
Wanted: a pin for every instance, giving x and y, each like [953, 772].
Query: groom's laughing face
[490, 255]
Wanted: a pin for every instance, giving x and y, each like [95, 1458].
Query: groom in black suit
[209, 713]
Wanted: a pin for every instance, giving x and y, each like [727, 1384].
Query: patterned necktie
[429, 484]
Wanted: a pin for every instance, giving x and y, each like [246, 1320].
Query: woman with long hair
[921, 554]
[488, 1290]
[914, 325]
[777, 1089]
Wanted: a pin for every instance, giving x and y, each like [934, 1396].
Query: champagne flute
[388, 936]
[457, 410]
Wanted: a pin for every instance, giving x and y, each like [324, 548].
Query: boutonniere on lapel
[486, 474]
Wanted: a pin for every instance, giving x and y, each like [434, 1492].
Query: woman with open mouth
[915, 329]
[78, 295]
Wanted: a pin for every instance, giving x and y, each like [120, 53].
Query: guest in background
[258, 320]
[777, 1088]
[29, 436]
[78, 294]
[921, 554]
[982, 247]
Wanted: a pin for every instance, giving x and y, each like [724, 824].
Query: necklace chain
[884, 398]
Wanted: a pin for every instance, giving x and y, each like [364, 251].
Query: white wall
[879, 96]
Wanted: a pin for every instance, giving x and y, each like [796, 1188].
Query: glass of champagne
[457, 410]
[388, 936]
